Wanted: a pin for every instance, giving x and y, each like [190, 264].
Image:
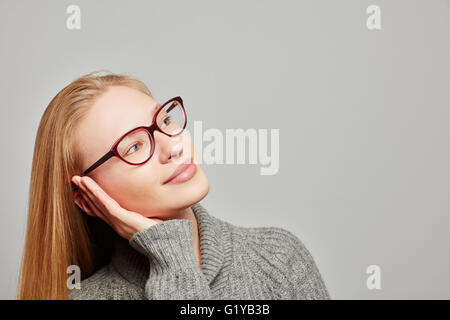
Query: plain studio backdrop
[362, 115]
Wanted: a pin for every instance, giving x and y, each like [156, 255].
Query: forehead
[114, 112]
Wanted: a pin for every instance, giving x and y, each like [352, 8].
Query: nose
[168, 148]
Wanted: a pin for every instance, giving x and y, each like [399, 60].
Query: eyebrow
[157, 106]
[155, 109]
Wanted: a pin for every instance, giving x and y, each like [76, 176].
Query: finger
[82, 205]
[75, 180]
[103, 199]
[97, 212]
[93, 207]
[111, 217]
[121, 217]
[89, 194]
[87, 198]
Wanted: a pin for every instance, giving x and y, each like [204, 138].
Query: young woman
[114, 195]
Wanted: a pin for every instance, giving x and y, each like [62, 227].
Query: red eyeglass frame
[154, 126]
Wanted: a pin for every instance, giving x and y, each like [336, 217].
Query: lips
[177, 171]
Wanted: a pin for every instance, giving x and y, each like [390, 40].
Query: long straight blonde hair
[59, 233]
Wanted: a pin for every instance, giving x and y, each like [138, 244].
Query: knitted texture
[236, 263]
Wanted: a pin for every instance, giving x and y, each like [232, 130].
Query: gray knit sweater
[237, 263]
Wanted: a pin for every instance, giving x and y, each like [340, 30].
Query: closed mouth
[179, 170]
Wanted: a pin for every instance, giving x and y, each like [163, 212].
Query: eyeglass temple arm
[174, 104]
[171, 107]
[95, 165]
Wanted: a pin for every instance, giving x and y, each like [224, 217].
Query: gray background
[363, 118]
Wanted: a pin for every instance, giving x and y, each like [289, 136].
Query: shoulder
[102, 285]
[282, 257]
[282, 243]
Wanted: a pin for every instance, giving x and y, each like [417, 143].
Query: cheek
[133, 188]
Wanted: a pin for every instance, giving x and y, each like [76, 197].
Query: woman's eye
[131, 149]
[168, 120]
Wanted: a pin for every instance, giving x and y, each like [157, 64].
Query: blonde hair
[58, 233]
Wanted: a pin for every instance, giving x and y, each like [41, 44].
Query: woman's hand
[91, 198]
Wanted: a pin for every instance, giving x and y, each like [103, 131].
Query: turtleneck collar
[134, 266]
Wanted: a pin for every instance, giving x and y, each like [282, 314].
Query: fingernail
[86, 180]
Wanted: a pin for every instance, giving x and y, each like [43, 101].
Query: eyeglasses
[136, 146]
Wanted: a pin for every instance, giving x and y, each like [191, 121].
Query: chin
[181, 195]
[190, 192]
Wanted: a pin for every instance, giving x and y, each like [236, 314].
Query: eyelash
[131, 148]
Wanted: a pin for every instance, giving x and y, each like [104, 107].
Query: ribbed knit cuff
[168, 245]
